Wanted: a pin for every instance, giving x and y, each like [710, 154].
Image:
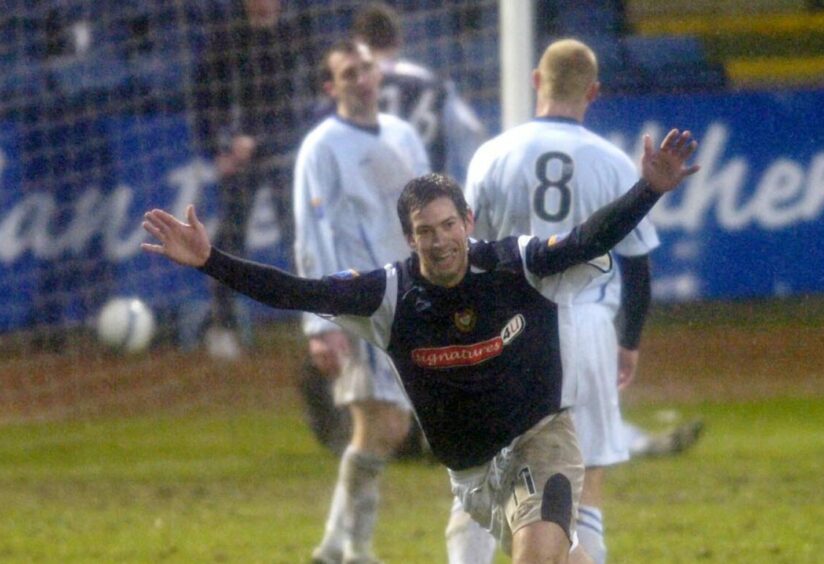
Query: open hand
[665, 168]
[329, 352]
[184, 243]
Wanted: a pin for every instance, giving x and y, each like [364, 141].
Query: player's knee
[556, 504]
[540, 541]
[397, 428]
[392, 423]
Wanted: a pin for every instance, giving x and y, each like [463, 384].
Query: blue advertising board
[749, 224]
[67, 242]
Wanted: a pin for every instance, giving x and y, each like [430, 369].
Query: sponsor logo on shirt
[513, 328]
[469, 355]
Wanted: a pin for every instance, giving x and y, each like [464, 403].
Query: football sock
[466, 541]
[334, 530]
[591, 533]
[360, 476]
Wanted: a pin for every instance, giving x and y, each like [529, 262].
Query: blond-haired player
[542, 178]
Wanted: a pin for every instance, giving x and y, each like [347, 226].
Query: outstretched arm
[188, 244]
[662, 171]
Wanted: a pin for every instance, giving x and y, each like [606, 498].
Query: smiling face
[440, 236]
[354, 83]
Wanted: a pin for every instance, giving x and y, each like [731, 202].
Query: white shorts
[596, 410]
[368, 375]
[539, 476]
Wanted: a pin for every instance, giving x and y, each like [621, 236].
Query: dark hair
[378, 25]
[421, 191]
[346, 46]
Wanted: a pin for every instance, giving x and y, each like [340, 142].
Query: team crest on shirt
[465, 320]
[317, 207]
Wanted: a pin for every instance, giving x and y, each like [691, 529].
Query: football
[126, 324]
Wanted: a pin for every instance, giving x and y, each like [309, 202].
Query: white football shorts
[368, 375]
[596, 410]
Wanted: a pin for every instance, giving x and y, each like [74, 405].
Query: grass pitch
[253, 487]
[232, 473]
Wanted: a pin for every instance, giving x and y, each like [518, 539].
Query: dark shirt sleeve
[357, 294]
[596, 236]
[636, 294]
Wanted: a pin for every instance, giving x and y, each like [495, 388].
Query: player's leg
[637, 439]
[671, 442]
[540, 542]
[545, 480]
[380, 422]
[378, 429]
[590, 519]
[353, 513]
[331, 425]
[598, 421]
[236, 193]
[466, 541]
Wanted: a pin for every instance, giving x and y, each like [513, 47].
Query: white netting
[101, 117]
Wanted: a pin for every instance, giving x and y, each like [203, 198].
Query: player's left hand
[184, 243]
[329, 351]
[665, 168]
[627, 365]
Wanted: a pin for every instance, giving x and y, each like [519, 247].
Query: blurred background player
[451, 133]
[349, 173]
[448, 126]
[542, 178]
[246, 124]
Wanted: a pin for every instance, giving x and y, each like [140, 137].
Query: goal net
[101, 118]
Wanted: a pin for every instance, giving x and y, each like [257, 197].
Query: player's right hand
[328, 352]
[184, 243]
[627, 366]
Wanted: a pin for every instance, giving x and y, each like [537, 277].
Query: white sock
[591, 533]
[466, 541]
[334, 531]
[360, 475]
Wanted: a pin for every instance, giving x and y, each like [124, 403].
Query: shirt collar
[558, 119]
[373, 129]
